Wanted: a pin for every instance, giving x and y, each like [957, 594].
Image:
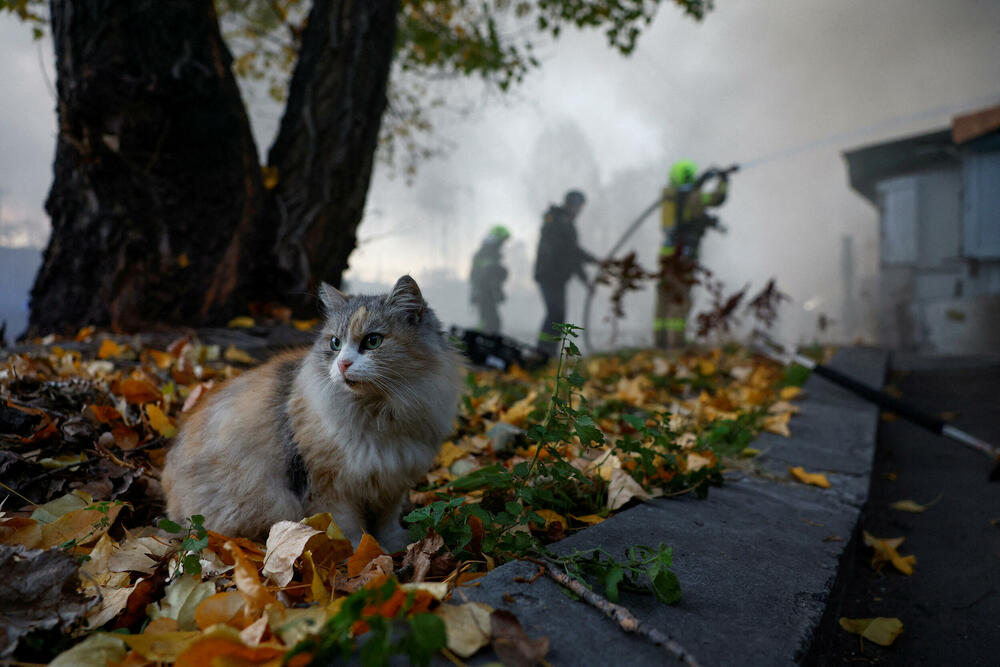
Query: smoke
[752, 80]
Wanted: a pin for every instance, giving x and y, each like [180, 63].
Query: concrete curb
[757, 560]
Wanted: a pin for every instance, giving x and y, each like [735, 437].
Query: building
[938, 198]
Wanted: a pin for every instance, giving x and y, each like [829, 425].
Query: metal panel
[898, 197]
[982, 205]
[939, 218]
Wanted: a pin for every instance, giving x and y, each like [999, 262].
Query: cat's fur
[362, 441]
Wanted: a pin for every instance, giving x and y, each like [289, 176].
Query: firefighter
[685, 220]
[559, 258]
[487, 279]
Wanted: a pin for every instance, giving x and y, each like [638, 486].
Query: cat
[347, 426]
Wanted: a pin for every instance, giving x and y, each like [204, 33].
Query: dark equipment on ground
[495, 351]
[906, 410]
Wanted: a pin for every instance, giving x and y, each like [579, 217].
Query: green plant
[195, 539]
[379, 620]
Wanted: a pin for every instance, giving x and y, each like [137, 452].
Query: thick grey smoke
[753, 79]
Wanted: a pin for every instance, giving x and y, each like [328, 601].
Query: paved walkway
[950, 606]
[756, 560]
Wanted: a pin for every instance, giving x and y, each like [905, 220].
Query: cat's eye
[371, 341]
[335, 344]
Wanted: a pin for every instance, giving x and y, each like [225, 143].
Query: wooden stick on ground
[625, 619]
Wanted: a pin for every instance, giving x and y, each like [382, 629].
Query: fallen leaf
[160, 422]
[419, 554]
[467, 626]
[623, 488]
[450, 453]
[236, 355]
[226, 607]
[138, 390]
[241, 322]
[520, 410]
[788, 393]
[110, 349]
[367, 550]
[257, 597]
[304, 325]
[98, 650]
[778, 424]
[160, 646]
[814, 478]
[20, 530]
[911, 506]
[181, 600]
[512, 644]
[886, 550]
[882, 631]
[589, 519]
[285, 543]
[38, 591]
[551, 517]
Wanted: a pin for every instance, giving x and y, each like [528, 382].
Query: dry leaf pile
[84, 435]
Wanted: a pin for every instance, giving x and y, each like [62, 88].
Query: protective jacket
[559, 253]
[685, 217]
[488, 274]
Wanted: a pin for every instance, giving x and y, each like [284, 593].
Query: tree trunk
[327, 139]
[157, 198]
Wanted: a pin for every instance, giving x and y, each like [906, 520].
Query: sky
[782, 87]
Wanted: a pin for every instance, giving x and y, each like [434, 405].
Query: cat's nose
[343, 365]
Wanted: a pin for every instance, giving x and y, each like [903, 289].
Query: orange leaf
[136, 390]
[248, 583]
[125, 437]
[110, 348]
[367, 550]
[104, 414]
[211, 651]
[221, 608]
[161, 359]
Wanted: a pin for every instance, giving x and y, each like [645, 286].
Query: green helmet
[683, 172]
[499, 232]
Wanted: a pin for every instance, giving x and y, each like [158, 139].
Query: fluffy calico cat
[346, 427]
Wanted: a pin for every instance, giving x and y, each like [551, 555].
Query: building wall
[940, 258]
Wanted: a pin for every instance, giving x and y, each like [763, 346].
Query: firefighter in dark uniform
[685, 220]
[559, 258]
[487, 279]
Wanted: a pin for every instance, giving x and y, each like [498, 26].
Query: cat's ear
[406, 298]
[331, 297]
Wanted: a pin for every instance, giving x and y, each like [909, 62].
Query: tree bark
[327, 140]
[157, 198]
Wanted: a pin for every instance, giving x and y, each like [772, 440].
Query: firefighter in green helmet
[487, 279]
[685, 219]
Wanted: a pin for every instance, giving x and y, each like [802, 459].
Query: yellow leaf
[907, 506]
[788, 393]
[883, 631]
[305, 325]
[160, 422]
[589, 519]
[237, 355]
[886, 550]
[911, 506]
[778, 424]
[450, 452]
[242, 322]
[552, 517]
[520, 410]
[110, 349]
[706, 367]
[814, 478]
[161, 359]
